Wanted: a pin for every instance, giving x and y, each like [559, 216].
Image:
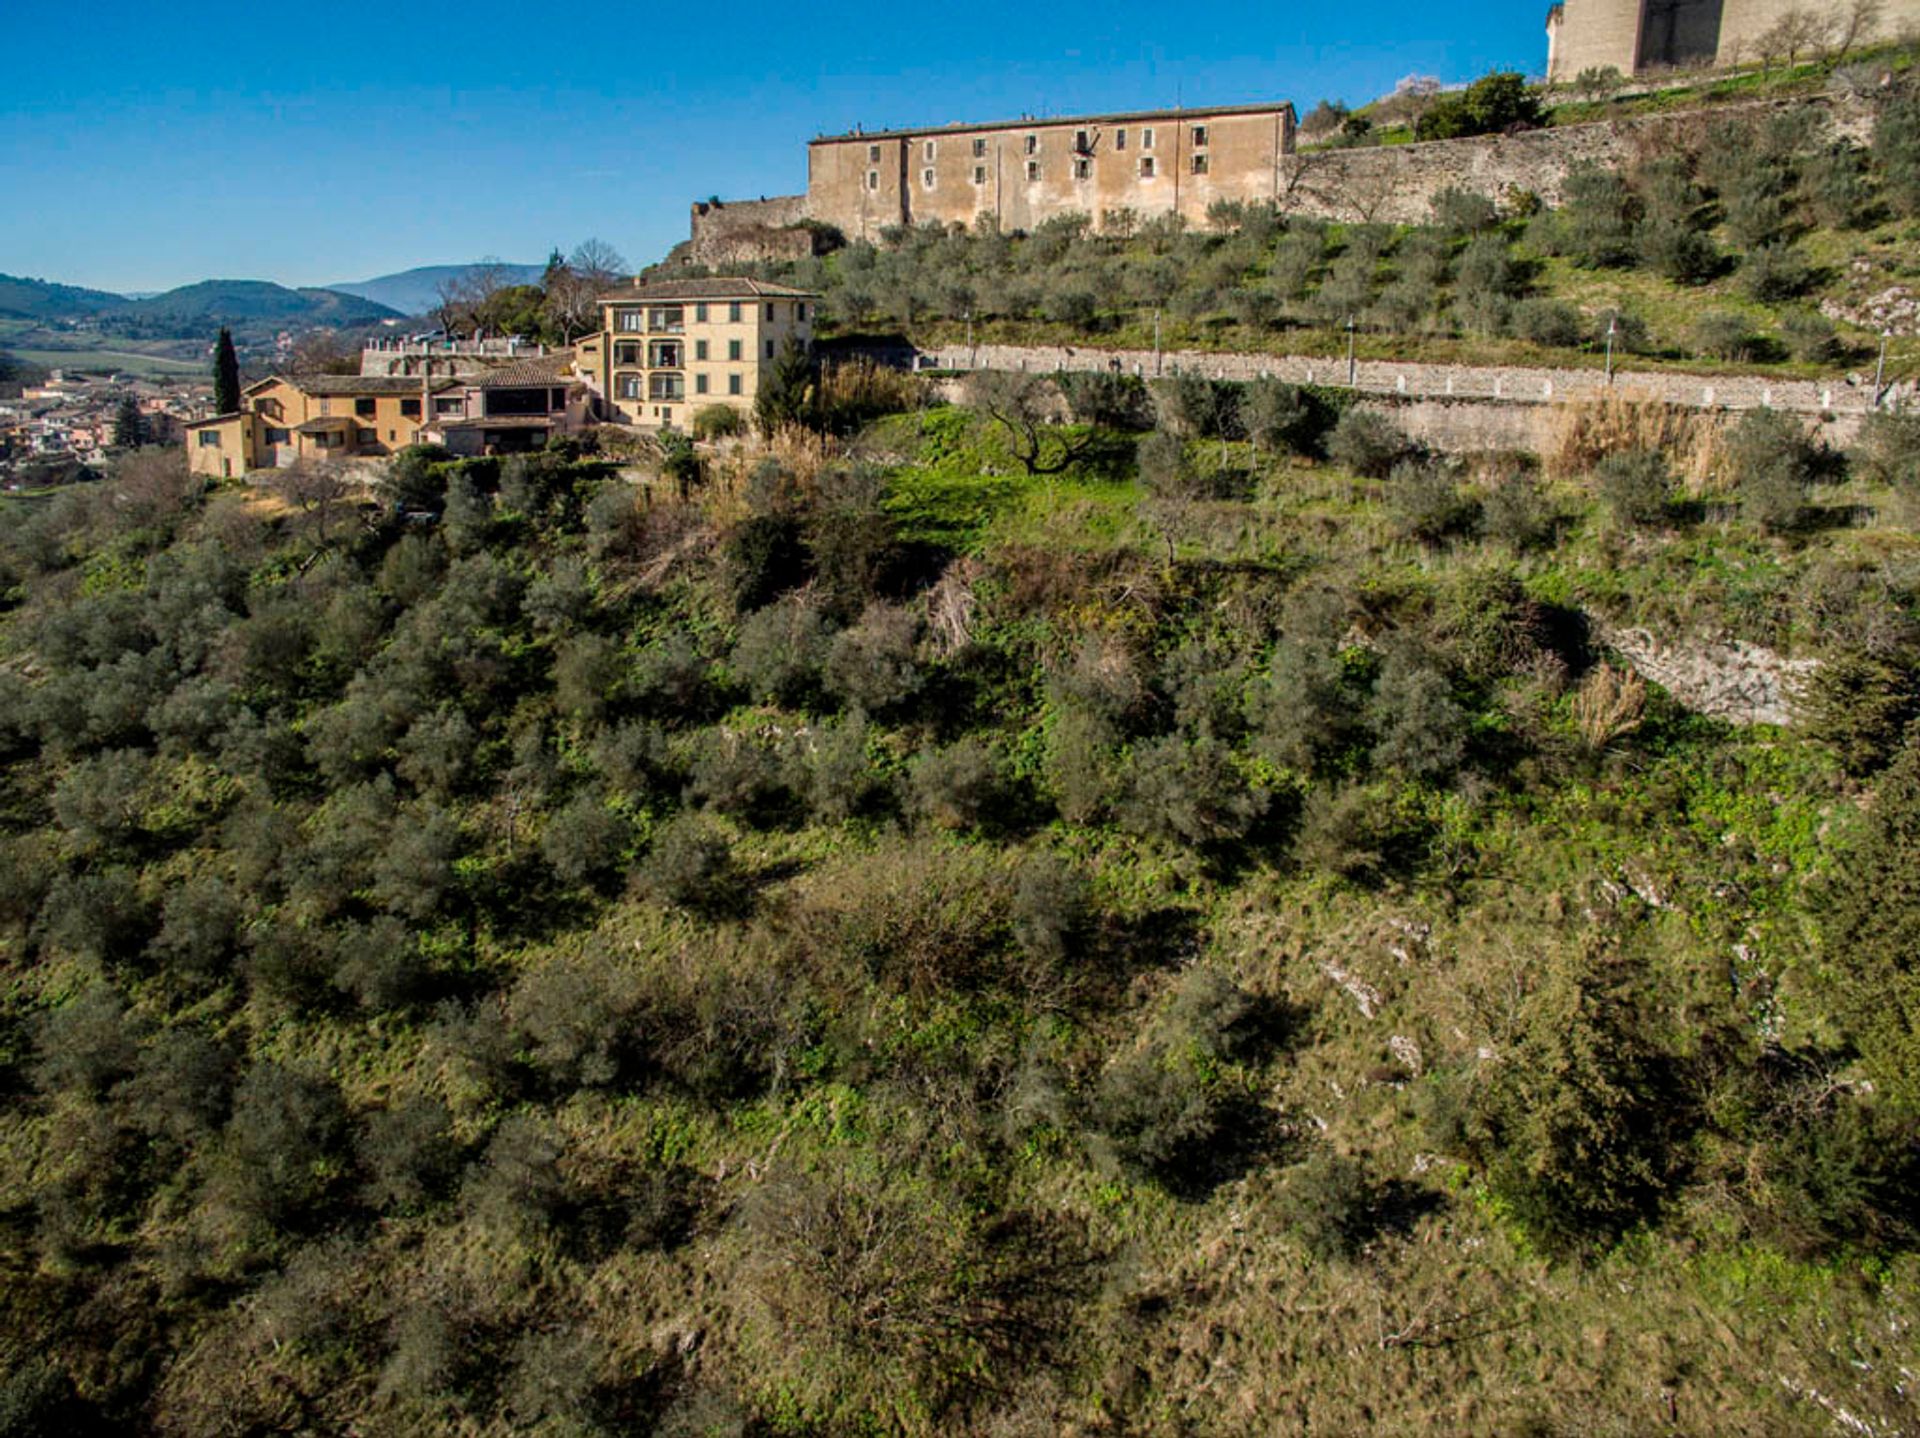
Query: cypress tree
[226, 375]
[129, 430]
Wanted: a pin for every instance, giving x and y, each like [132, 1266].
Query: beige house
[668, 349]
[511, 408]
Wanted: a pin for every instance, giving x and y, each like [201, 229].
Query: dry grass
[1608, 706]
[1587, 431]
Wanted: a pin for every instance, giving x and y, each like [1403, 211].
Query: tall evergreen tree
[226, 374]
[786, 389]
[129, 427]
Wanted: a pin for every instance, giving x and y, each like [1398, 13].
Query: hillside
[1174, 922]
[27, 299]
[417, 291]
[198, 309]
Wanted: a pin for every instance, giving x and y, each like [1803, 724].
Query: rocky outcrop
[1725, 679]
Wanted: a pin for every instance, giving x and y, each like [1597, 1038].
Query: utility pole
[1880, 369]
[1352, 371]
[972, 359]
[1156, 344]
[1610, 319]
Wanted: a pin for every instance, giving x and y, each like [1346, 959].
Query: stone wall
[1396, 183]
[726, 234]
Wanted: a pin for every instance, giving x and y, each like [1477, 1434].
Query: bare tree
[466, 296]
[1027, 408]
[1862, 22]
[315, 489]
[321, 352]
[599, 263]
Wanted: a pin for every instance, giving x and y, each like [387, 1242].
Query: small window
[1146, 167]
[700, 313]
[769, 311]
[632, 321]
[926, 150]
[733, 313]
[390, 437]
[453, 406]
[363, 408]
[627, 352]
[629, 386]
[733, 384]
[1146, 137]
[733, 349]
[979, 174]
[699, 384]
[1033, 144]
[699, 349]
[1199, 137]
[873, 179]
[979, 149]
[769, 349]
[1199, 164]
[1083, 169]
[557, 400]
[926, 179]
[873, 154]
[800, 312]
[1081, 142]
[1033, 170]
[279, 436]
[409, 409]
[209, 439]
[1120, 139]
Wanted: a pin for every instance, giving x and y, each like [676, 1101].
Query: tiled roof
[548, 369]
[721, 287]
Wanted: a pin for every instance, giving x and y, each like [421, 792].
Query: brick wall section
[1396, 183]
[1508, 384]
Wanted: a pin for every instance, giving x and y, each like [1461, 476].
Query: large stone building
[1638, 36]
[1016, 174]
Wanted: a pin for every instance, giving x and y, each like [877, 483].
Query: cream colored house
[670, 348]
[315, 417]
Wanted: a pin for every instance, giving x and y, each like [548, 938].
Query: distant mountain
[414, 292]
[26, 299]
[194, 310]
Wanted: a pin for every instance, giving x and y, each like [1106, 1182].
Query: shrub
[1809, 336]
[1860, 705]
[842, 779]
[872, 665]
[583, 841]
[1598, 210]
[780, 653]
[1366, 442]
[1428, 503]
[1887, 452]
[1635, 485]
[287, 1125]
[1497, 101]
[1677, 250]
[1549, 322]
[1328, 1204]
[962, 786]
[1774, 463]
[1189, 792]
[1463, 212]
[1776, 272]
[718, 421]
[1052, 908]
[408, 1153]
[517, 1184]
[1419, 729]
[691, 866]
[735, 774]
[1723, 334]
[1166, 470]
[1517, 513]
[1118, 401]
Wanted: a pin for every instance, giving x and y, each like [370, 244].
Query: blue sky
[144, 146]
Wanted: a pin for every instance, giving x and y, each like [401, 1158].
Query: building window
[629, 386]
[1033, 170]
[769, 311]
[451, 406]
[979, 149]
[1033, 144]
[873, 154]
[700, 313]
[699, 384]
[1199, 137]
[666, 386]
[800, 312]
[769, 349]
[733, 349]
[926, 151]
[390, 437]
[733, 312]
[873, 179]
[409, 409]
[699, 349]
[626, 352]
[363, 408]
[279, 436]
[665, 354]
[1120, 139]
[1081, 142]
[979, 174]
[1199, 164]
[926, 179]
[1146, 137]
[630, 321]
[1146, 167]
[557, 400]
[209, 439]
[733, 384]
[667, 319]
[1083, 169]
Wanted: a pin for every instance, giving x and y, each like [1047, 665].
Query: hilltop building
[669, 348]
[1018, 174]
[1638, 36]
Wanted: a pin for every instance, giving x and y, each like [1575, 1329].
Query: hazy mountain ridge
[416, 291]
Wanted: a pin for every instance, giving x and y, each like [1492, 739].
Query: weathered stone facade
[1638, 36]
[727, 234]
